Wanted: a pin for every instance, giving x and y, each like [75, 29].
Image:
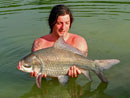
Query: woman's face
[62, 25]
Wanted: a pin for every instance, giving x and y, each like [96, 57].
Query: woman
[60, 21]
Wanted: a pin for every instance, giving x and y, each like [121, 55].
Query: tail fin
[106, 64]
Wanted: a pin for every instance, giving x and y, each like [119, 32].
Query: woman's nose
[63, 26]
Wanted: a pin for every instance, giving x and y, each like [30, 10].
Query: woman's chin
[61, 33]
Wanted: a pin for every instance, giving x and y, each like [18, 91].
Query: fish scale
[56, 61]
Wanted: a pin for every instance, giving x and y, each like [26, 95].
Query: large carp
[56, 61]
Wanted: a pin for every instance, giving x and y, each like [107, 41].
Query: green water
[105, 24]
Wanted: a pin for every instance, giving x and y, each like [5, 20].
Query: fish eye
[27, 66]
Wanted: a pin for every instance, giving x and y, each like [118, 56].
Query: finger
[31, 74]
[74, 71]
[34, 74]
[78, 71]
[69, 73]
[44, 75]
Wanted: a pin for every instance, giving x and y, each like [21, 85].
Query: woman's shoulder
[77, 37]
[79, 42]
[42, 42]
[43, 38]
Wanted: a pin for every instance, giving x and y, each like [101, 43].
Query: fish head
[29, 64]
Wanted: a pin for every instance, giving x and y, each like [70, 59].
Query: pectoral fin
[63, 79]
[38, 80]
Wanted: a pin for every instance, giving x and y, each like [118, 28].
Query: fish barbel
[56, 61]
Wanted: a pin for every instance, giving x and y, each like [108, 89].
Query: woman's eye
[67, 23]
[58, 23]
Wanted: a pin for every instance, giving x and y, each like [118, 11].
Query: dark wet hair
[58, 10]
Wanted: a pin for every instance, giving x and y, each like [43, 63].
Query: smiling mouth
[62, 32]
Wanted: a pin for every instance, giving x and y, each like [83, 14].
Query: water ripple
[104, 23]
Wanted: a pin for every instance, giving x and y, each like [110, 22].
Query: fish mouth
[19, 65]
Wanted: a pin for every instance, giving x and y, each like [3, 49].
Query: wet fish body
[56, 61]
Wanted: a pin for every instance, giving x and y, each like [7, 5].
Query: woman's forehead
[63, 18]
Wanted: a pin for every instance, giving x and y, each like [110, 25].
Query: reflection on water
[51, 89]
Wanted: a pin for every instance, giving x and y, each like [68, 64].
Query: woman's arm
[81, 44]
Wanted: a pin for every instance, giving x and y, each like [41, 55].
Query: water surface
[105, 24]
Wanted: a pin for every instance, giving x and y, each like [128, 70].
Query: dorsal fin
[60, 43]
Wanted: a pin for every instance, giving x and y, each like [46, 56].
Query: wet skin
[61, 28]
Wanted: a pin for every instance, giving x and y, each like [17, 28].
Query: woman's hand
[34, 74]
[74, 71]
